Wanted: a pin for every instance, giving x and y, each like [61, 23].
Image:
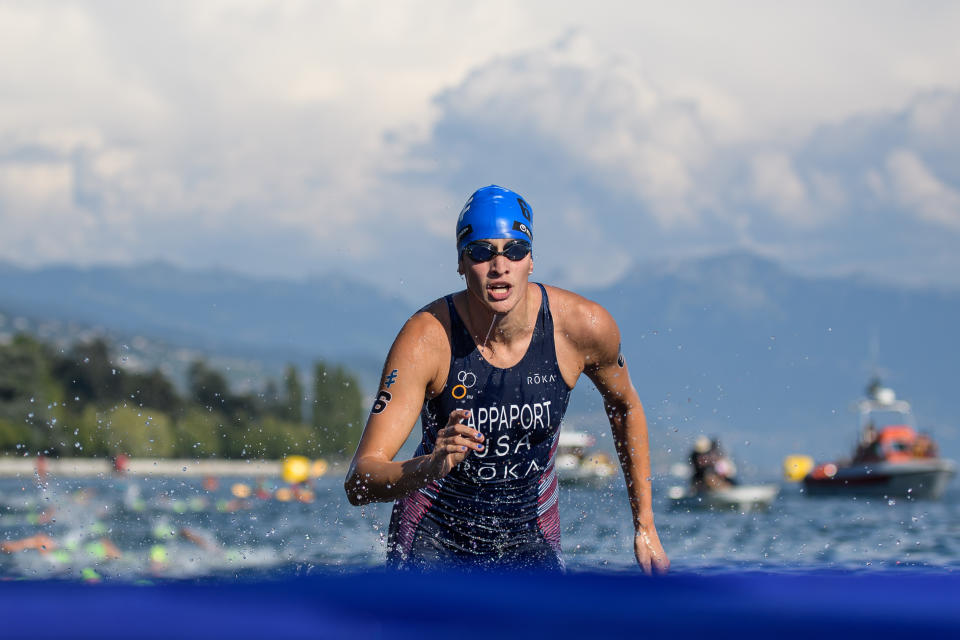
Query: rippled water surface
[145, 528]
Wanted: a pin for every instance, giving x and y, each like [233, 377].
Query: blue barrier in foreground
[586, 605]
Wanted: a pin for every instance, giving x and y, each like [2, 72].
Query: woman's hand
[650, 554]
[454, 443]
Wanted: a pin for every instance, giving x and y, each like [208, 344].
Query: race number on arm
[415, 369]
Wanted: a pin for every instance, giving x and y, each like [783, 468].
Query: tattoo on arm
[391, 378]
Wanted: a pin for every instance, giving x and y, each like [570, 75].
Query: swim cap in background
[494, 212]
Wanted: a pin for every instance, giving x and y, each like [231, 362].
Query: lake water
[166, 527]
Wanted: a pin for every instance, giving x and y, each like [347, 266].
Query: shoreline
[86, 467]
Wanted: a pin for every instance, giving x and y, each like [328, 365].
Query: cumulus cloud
[212, 118]
[295, 137]
[571, 110]
[611, 163]
[578, 129]
[918, 190]
[901, 164]
[774, 183]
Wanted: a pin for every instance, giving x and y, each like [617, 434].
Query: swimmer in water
[492, 368]
[41, 542]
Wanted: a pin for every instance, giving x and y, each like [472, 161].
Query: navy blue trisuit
[497, 508]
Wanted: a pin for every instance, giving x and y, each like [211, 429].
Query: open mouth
[499, 290]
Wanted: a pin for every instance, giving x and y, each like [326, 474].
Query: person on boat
[492, 368]
[925, 447]
[868, 449]
[712, 470]
[723, 466]
[701, 462]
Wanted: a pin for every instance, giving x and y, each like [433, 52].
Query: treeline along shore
[82, 402]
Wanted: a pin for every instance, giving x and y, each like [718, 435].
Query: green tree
[89, 374]
[235, 437]
[337, 410]
[273, 438]
[15, 437]
[293, 395]
[152, 389]
[135, 431]
[89, 425]
[30, 397]
[198, 433]
[207, 387]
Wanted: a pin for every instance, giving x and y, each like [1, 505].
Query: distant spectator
[868, 449]
[704, 459]
[42, 468]
[723, 465]
[120, 462]
[925, 447]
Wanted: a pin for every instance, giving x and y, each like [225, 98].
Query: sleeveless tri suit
[497, 508]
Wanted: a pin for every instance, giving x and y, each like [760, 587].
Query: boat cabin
[896, 442]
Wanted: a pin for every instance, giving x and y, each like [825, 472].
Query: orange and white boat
[892, 460]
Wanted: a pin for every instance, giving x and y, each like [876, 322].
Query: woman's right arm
[413, 366]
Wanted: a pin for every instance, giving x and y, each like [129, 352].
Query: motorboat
[916, 479]
[891, 459]
[576, 464]
[712, 483]
[741, 498]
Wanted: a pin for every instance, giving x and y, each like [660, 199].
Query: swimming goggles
[484, 251]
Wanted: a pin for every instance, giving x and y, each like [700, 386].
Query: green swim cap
[158, 554]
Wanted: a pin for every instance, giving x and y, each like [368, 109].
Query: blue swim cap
[494, 212]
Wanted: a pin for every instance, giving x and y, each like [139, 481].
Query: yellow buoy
[296, 469]
[796, 467]
[319, 468]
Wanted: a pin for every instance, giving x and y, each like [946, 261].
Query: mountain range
[733, 345]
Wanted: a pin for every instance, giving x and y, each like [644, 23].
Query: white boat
[574, 462]
[742, 498]
[889, 462]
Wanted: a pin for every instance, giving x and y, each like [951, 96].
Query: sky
[341, 139]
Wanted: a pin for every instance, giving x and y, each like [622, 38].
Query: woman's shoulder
[584, 320]
[572, 307]
[430, 322]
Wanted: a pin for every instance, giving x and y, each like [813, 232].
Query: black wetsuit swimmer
[498, 508]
